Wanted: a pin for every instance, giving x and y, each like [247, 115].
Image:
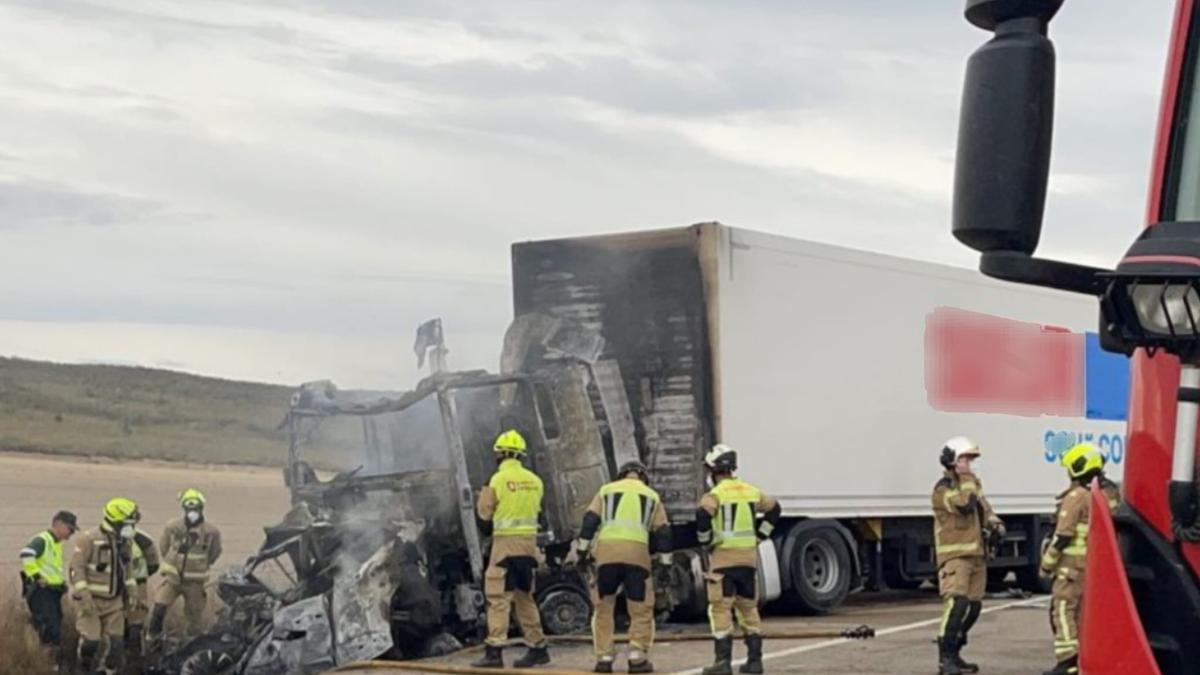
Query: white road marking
[783, 653]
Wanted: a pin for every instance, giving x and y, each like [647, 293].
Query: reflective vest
[518, 500]
[48, 565]
[733, 526]
[629, 505]
[141, 570]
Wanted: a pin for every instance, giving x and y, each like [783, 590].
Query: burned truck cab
[401, 472]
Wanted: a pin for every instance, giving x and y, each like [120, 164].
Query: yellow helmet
[1082, 459]
[510, 441]
[191, 498]
[120, 510]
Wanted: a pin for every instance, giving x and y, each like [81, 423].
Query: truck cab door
[572, 462]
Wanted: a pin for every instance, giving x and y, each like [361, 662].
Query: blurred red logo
[987, 364]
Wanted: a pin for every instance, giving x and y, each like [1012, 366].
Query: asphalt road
[1012, 637]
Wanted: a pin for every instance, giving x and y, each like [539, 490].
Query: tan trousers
[101, 618]
[641, 624]
[139, 605]
[194, 601]
[1065, 597]
[733, 593]
[966, 577]
[502, 599]
[102, 621]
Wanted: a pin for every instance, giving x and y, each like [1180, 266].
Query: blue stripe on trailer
[1106, 381]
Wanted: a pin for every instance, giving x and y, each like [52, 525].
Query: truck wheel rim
[819, 566]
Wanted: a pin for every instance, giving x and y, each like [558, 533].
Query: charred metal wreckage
[386, 560]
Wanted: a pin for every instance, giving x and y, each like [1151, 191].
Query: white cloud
[273, 187]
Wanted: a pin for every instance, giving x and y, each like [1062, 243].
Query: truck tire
[817, 568]
[564, 603]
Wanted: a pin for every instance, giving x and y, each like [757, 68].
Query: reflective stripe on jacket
[188, 553]
[102, 564]
[959, 513]
[518, 500]
[48, 564]
[628, 507]
[733, 523]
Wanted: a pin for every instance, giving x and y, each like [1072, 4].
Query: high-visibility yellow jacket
[511, 502]
[43, 558]
[732, 506]
[628, 521]
[145, 556]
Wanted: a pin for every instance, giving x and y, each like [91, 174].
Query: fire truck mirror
[1003, 159]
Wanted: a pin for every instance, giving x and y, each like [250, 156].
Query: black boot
[603, 666]
[1065, 667]
[493, 657]
[753, 655]
[723, 663]
[947, 663]
[641, 666]
[89, 650]
[534, 656]
[965, 666]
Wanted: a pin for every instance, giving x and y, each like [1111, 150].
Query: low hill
[119, 411]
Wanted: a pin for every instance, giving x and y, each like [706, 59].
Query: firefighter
[43, 580]
[1066, 557]
[632, 525]
[102, 581]
[508, 508]
[725, 521]
[964, 526]
[145, 565]
[189, 547]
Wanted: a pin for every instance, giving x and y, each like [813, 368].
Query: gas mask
[192, 516]
[127, 531]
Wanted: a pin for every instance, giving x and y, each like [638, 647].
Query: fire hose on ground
[860, 633]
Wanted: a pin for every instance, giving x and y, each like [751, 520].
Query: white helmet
[956, 447]
[721, 458]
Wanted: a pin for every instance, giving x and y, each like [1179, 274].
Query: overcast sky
[282, 191]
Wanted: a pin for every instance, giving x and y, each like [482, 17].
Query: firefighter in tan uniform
[508, 509]
[188, 549]
[725, 521]
[145, 565]
[964, 527]
[1065, 559]
[632, 524]
[102, 582]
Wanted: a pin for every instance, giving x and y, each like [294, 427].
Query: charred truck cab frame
[414, 445]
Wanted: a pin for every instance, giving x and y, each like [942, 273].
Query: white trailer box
[837, 375]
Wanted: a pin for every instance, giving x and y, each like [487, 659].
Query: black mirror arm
[1021, 268]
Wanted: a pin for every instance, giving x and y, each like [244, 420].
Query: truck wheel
[565, 609]
[817, 567]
